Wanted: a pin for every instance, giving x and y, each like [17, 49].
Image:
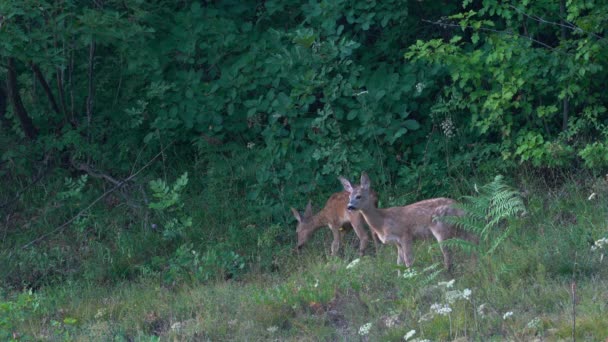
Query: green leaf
[411, 124]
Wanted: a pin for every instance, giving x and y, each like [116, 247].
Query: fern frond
[494, 203]
[463, 245]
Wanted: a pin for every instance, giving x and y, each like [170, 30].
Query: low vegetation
[545, 281]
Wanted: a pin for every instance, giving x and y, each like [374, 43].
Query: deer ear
[296, 214]
[365, 180]
[308, 211]
[346, 184]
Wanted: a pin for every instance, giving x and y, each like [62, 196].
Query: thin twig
[91, 89]
[507, 32]
[569, 25]
[14, 200]
[424, 160]
[573, 293]
[65, 224]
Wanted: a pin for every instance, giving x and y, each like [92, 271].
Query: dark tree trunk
[3, 103]
[13, 94]
[566, 101]
[45, 86]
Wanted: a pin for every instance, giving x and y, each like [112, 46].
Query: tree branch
[87, 168]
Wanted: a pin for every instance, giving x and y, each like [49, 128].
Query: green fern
[494, 203]
[169, 206]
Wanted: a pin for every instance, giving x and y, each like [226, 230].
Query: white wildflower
[599, 244]
[483, 310]
[364, 329]
[353, 263]
[446, 284]
[391, 321]
[507, 314]
[426, 317]
[176, 326]
[453, 296]
[592, 196]
[409, 273]
[448, 128]
[316, 283]
[534, 323]
[250, 145]
[272, 329]
[100, 313]
[409, 334]
[443, 310]
[419, 87]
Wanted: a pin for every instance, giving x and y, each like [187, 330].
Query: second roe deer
[402, 225]
[335, 216]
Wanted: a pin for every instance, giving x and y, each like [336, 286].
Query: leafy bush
[13, 312]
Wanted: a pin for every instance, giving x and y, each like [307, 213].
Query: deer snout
[351, 207]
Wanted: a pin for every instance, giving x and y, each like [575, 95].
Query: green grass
[115, 287]
[321, 299]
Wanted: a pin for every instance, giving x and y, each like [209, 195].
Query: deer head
[359, 197]
[305, 226]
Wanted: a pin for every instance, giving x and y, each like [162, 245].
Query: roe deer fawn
[337, 218]
[401, 225]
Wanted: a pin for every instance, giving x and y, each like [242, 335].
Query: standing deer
[335, 216]
[401, 225]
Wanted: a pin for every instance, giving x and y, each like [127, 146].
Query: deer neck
[376, 219]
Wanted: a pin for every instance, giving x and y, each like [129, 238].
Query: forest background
[161, 143]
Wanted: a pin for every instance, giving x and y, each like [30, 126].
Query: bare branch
[116, 187]
[505, 32]
[91, 89]
[87, 168]
[564, 24]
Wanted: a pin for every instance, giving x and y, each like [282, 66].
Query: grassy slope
[316, 297]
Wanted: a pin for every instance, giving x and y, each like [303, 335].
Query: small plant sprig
[73, 188]
[169, 203]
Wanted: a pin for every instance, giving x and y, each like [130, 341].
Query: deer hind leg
[406, 252]
[441, 232]
[400, 260]
[357, 223]
[335, 245]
